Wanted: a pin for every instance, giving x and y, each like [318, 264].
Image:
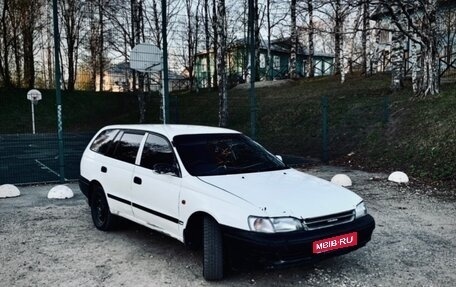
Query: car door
[117, 171]
[156, 186]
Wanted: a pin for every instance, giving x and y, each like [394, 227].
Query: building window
[262, 61]
[384, 37]
[203, 65]
[276, 64]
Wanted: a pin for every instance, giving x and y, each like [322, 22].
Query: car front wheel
[212, 250]
[102, 218]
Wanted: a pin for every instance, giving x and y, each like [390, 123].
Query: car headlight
[275, 224]
[360, 210]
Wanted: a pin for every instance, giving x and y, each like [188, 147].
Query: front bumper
[290, 248]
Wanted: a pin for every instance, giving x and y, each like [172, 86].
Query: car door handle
[137, 180]
[104, 169]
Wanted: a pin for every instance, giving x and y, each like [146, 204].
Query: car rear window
[103, 141]
[127, 147]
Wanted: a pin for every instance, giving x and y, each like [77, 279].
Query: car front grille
[329, 220]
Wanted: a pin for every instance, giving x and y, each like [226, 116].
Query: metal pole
[33, 116]
[58, 95]
[165, 66]
[252, 95]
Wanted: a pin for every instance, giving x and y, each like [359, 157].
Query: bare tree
[5, 44]
[447, 36]
[215, 39]
[101, 43]
[365, 35]
[397, 51]
[29, 22]
[191, 37]
[311, 28]
[349, 43]
[72, 13]
[92, 43]
[338, 37]
[417, 20]
[336, 12]
[207, 41]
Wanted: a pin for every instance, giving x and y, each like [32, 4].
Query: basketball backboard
[146, 58]
[34, 95]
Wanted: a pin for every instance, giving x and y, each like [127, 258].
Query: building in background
[238, 62]
[119, 78]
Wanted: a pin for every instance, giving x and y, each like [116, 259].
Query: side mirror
[165, 168]
[279, 157]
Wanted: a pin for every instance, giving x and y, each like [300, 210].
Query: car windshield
[220, 154]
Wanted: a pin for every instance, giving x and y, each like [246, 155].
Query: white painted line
[43, 166]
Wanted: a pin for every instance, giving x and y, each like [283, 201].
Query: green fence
[34, 158]
[304, 127]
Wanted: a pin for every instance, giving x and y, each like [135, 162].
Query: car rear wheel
[212, 250]
[102, 218]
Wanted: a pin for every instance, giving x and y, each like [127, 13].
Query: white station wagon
[217, 189]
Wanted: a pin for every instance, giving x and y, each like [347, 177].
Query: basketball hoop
[33, 96]
[34, 101]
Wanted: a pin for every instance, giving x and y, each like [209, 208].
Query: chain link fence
[304, 126]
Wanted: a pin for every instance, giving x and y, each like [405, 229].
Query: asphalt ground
[54, 243]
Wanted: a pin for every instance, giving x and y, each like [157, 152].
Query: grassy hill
[367, 126]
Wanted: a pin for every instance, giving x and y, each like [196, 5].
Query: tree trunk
[364, 37]
[375, 53]
[293, 36]
[215, 39]
[221, 63]
[6, 76]
[207, 42]
[101, 44]
[71, 15]
[257, 39]
[92, 37]
[397, 60]
[269, 70]
[137, 35]
[190, 41]
[27, 41]
[310, 65]
[430, 84]
[415, 67]
[17, 57]
[338, 41]
[397, 52]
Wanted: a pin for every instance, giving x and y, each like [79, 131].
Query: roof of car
[173, 130]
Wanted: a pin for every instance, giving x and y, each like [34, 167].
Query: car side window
[157, 154]
[127, 146]
[103, 141]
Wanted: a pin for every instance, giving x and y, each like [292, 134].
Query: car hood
[287, 193]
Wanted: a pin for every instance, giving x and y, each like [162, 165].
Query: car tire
[102, 218]
[212, 250]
